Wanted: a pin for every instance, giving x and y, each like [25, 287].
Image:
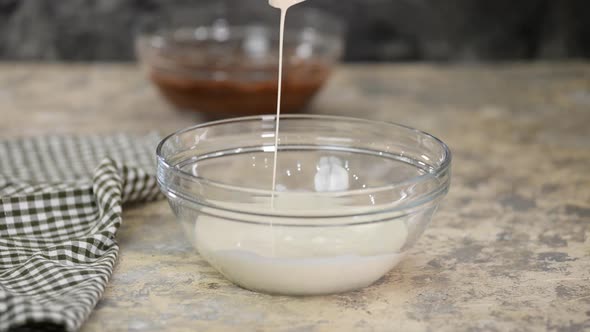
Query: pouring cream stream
[283, 5]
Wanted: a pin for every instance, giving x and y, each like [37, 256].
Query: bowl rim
[338, 25]
[163, 38]
[428, 197]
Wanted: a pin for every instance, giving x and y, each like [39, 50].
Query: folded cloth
[60, 209]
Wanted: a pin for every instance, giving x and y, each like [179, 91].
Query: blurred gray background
[378, 30]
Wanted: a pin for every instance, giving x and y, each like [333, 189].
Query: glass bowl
[223, 66]
[352, 196]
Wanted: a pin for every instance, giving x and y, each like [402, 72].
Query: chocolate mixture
[229, 96]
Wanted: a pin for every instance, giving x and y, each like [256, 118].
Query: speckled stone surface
[509, 249]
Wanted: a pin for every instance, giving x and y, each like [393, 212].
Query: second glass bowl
[223, 67]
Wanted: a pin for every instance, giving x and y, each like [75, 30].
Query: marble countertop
[509, 249]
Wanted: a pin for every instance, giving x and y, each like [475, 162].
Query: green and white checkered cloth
[60, 208]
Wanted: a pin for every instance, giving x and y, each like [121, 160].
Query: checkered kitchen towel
[60, 208]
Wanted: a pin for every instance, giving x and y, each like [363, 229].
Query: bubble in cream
[331, 175]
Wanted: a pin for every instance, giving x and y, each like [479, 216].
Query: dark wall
[379, 30]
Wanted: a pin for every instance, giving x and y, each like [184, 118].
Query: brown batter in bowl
[226, 98]
[224, 71]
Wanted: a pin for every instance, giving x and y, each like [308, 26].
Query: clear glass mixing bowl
[223, 63]
[352, 196]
